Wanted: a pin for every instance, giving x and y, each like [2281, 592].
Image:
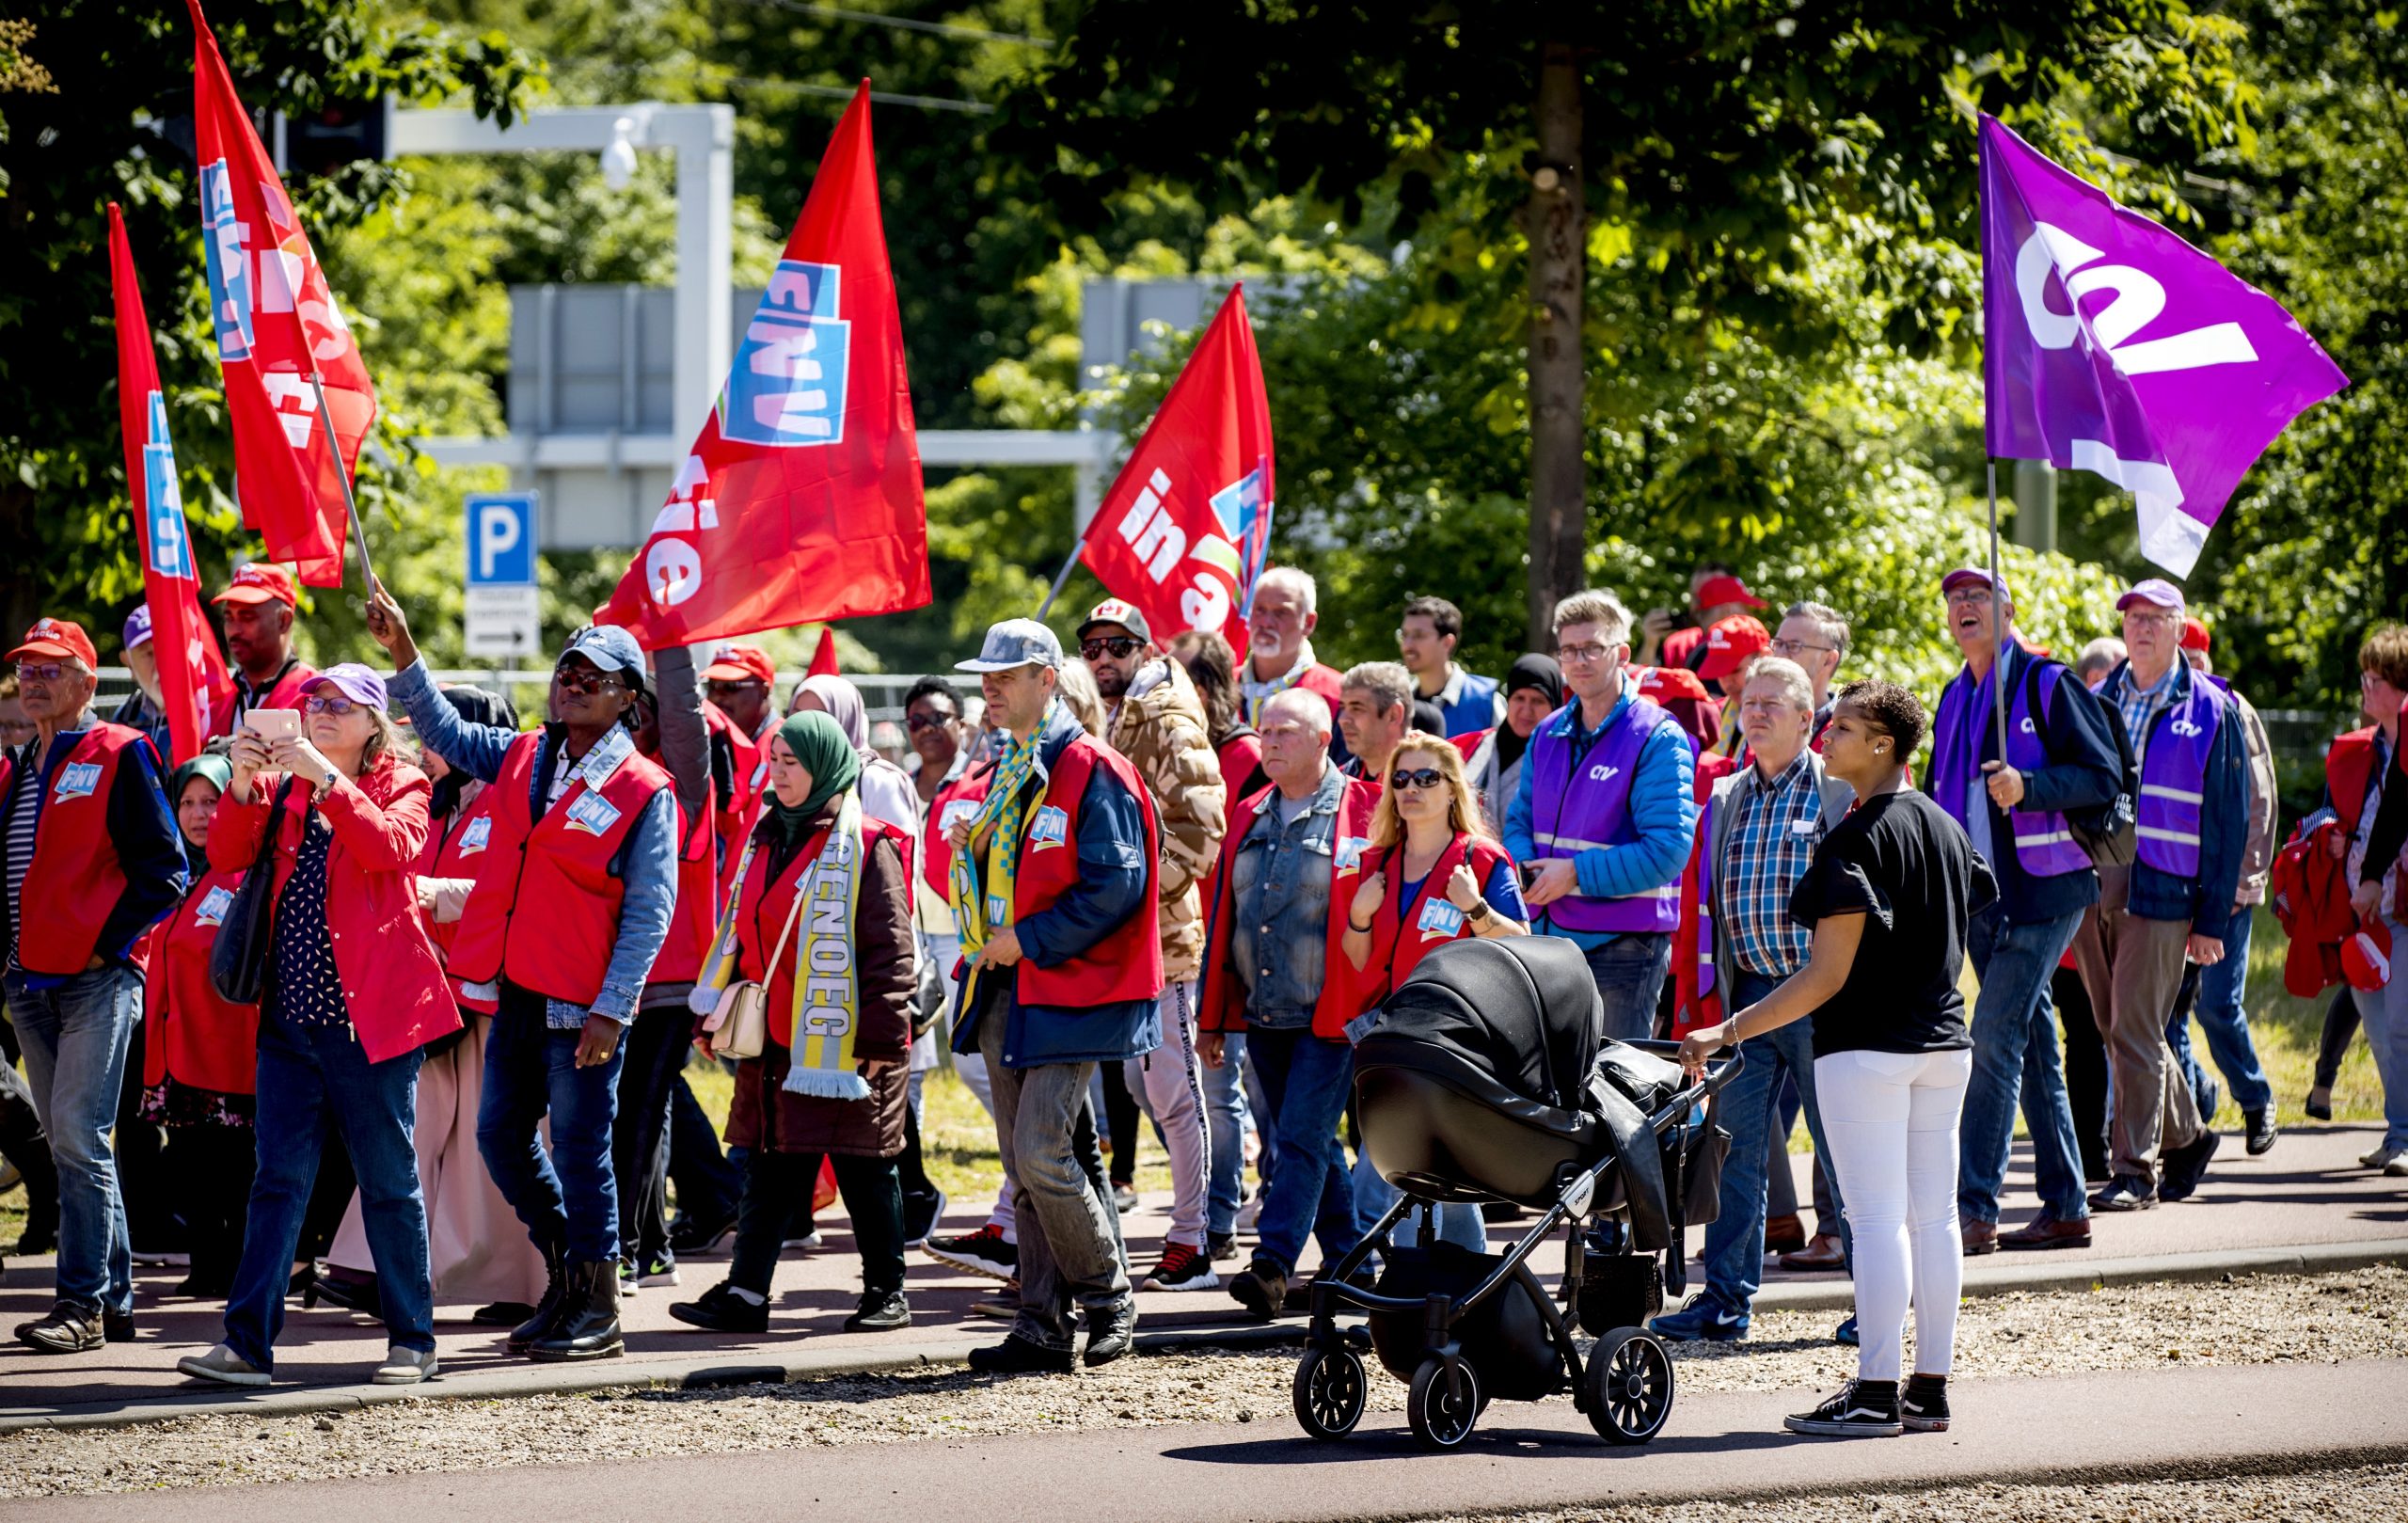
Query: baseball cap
[260, 581]
[353, 680]
[1732, 643]
[1113, 611]
[57, 637]
[2366, 957]
[137, 626]
[2195, 636]
[607, 646]
[1015, 642]
[1663, 684]
[2155, 590]
[741, 663]
[1966, 577]
[1716, 591]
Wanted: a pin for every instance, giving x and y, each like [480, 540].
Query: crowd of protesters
[397, 1000]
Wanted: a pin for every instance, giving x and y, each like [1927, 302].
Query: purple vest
[1567, 819]
[2044, 847]
[2173, 770]
[1705, 979]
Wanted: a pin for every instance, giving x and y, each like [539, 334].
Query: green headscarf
[820, 746]
[216, 768]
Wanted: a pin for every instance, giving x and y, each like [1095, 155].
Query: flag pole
[1998, 623]
[342, 474]
[1061, 579]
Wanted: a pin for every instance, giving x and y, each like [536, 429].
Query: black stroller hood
[1522, 1009]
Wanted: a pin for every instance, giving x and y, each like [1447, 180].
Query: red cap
[741, 663]
[1664, 684]
[1732, 643]
[1716, 591]
[2194, 635]
[260, 581]
[2366, 957]
[57, 637]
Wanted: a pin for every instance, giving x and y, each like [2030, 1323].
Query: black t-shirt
[1898, 860]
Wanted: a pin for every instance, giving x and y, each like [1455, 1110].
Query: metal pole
[1998, 623]
[1062, 580]
[342, 473]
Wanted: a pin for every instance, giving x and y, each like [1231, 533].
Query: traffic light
[339, 132]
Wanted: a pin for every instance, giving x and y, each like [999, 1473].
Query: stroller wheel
[1329, 1390]
[1629, 1387]
[1443, 1403]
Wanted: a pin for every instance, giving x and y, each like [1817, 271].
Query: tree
[1705, 140]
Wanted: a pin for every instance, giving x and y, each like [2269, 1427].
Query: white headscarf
[886, 789]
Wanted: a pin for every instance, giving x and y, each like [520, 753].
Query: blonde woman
[1431, 873]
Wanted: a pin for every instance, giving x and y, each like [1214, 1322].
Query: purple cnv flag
[2113, 346]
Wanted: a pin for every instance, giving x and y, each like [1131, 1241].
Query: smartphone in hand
[274, 724]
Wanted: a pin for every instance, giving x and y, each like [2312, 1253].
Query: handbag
[238, 958]
[739, 1028]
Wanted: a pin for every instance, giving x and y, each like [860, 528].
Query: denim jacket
[1281, 877]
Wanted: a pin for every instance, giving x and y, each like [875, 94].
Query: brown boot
[1979, 1237]
[1784, 1235]
[1821, 1252]
[2047, 1231]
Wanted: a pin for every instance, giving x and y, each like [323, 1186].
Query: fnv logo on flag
[1184, 527]
[800, 498]
[2111, 345]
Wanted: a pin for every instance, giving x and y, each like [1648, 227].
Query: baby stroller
[1481, 1079]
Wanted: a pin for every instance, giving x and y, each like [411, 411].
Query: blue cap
[137, 626]
[1016, 643]
[608, 647]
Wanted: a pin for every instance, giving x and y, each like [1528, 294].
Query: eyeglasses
[1584, 653]
[722, 687]
[916, 723]
[1122, 647]
[42, 671]
[1419, 777]
[584, 680]
[2165, 617]
[337, 706]
[1791, 647]
[1968, 595]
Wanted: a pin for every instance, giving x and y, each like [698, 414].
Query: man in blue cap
[143, 709]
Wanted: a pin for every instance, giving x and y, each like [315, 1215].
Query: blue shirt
[1663, 811]
[1773, 834]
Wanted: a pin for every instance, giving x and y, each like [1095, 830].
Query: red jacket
[958, 800]
[191, 1035]
[1223, 999]
[392, 981]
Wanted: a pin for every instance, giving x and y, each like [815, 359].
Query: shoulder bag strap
[793, 912]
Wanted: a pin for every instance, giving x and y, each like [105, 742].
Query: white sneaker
[1250, 1213]
[2381, 1157]
[2397, 1168]
[223, 1365]
[809, 1242]
[404, 1366]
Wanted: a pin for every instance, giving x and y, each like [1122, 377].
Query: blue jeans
[568, 1198]
[2015, 1059]
[1305, 1080]
[2384, 1012]
[75, 1035]
[2224, 1023]
[1630, 972]
[1226, 1123]
[1735, 1240]
[314, 1078]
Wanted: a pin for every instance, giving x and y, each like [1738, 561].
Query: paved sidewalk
[2307, 1192]
[1720, 1446]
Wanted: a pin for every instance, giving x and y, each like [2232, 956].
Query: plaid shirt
[2139, 705]
[1772, 842]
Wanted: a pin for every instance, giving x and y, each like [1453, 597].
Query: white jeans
[1891, 1121]
[1169, 1086]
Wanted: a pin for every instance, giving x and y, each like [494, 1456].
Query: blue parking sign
[501, 539]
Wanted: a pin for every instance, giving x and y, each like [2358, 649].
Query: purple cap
[1964, 577]
[2155, 590]
[353, 680]
[137, 626]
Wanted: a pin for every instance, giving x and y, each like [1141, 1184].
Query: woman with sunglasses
[355, 993]
[585, 842]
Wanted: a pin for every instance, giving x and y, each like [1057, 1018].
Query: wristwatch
[1480, 912]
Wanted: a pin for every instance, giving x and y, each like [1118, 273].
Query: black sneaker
[982, 1252]
[1185, 1267]
[719, 1310]
[118, 1326]
[2184, 1167]
[1262, 1288]
[1221, 1246]
[693, 1235]
[1017, 1356]
[1922, 1406]
[67, 1328]
[1863, 1409]
[880, 1311]
[1111, 1334]
[2262, 1130]
[2124, 1192]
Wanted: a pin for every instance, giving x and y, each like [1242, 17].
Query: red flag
[1197, 488]
[192, 672]
[801, 498]
[823, 659]
[278, 325]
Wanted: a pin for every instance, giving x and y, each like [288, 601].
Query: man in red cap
[1716, 592]
[738, 682]
[1732, 645]
[257, 607]
[92, 858]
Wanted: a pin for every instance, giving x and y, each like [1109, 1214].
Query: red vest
[1224, 1001]
[696, 918]
[763, 914]
[2348, 767]
[462, 849]
[75, 880]
[1127, 963]
[561, 866]
[285, 693]
[966, 792]
[1401, 934]
[192, 1036]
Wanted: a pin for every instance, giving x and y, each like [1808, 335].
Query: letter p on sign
[501, 539]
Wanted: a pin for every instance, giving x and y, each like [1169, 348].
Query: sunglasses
[1122, 647]
[42, 671]
[718, 686]
[584, 680]
[1419, 777]
[916, 723]
[315, 703]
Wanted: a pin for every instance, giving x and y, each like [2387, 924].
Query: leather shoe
[2262, 1130]
[1821, 1252]
[2047, 1231]
[1784, 1235]
[1018, 1355]
[1979, 1237]
[2124, 1192]
[2184, 1167]
[1111, 1334]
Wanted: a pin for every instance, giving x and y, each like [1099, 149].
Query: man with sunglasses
[92, 858]
[1155, 718]
[257, 608]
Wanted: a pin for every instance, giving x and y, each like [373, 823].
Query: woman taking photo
[1888, 896]
[823, 885]
[354, 994]
[584, 842]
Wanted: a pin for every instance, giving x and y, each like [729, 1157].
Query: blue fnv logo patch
[786, 387]
[77, 780]
[1051, 827]
[1439, 920]
[593, 814]
[213, 906]
[1349, 854]
[475, 837]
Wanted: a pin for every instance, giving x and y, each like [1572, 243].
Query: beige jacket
[1160, 728]
[2257, 854]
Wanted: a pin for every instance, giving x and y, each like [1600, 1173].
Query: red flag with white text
[1180, 532]
[801, 500]
[192, 678]
[278, 327]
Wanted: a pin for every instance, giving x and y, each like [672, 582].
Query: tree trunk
[1557, 226]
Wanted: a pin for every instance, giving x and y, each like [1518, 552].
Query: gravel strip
[2256, 1320]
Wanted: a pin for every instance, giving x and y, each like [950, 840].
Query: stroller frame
[1624, 1388]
